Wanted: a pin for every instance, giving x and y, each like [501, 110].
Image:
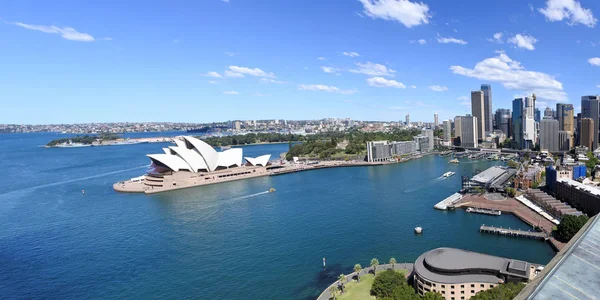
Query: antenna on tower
[533, 96]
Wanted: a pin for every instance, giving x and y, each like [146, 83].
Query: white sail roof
[230, 157]
[174, 162]
[191, 157]
[259, 161]
[207, 152]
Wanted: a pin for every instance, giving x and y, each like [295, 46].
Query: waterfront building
[403, 148]
[457, 126]
[494, 178]
[461, 274]
[378, 151]
[502, 120]
[487, 106]
[590, 108]
[549, 135]
[468, 131]
[587, 138]
[436, 122]
[422, 142]
[447, 128]
[581, 196]
[517, 122]
[477, 110]
[565, 141]
[529, 124]
[429, 134]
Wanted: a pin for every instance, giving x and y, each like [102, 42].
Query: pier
[492, 212]
[443, 205]
[514, 232]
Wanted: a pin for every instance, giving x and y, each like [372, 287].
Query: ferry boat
[70, 144]
[223, 148]
[454, 161]
[448, 174]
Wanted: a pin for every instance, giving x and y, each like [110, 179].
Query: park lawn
[362, 289]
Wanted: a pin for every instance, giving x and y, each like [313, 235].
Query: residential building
[549, 135]
[461, 274]
[468, 131]
[436, 122]
[583, 197]
[517, 122]
[502, 120]
[588, 133]
[477, 110]
[429, 134]
[422, 142]
[487, 106]
[384, 150]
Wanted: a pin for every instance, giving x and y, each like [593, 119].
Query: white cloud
[446, 40]
[438, 88]
[231, 93]
[413, 86]
[321, 58]
[523, 41]
[226, 1]
[571, 10]
[269, 80]
[463, 98]
[230, 53]
[403, 11]
[465, 103]
[382, 82]
[213, 82]
[531, 7]
[373, 69]
[351, 54]
[422, 42]
[329, 69]
[67, 33]
[213, 74]
[107, 38]
[513, 76]
[598, 86]
[248, 71]
[325, 88]
[497, 38]
[594, 61]
[231, 74]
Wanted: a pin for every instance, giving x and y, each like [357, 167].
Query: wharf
[448, 202]
[491, 212]
[514, 232]
[321, 165]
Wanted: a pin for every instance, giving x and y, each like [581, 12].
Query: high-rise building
[502, 120]
[577, 130]
[517, 122]
[529, 125]
[469, 131]
[447, 127]
[549, 135]
[538, 115]
[548, 113]
[457, 127]
[436, 122]
[566, 120]
[587, 132]
[589, 109]
[429, 134]
[487, 106]
[564, 141]
[237, 125]
[477, 110]
[407, 119]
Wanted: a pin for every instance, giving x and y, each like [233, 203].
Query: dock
[443, 205]
[484, 211]
[514, 232]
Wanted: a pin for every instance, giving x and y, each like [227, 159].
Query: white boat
[418, 230]
[448, 174]
[454, 161]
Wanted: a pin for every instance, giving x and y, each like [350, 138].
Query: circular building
[459, 274]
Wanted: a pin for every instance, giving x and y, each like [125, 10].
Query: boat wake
[420, 187]
[249, 196]
[71, 180]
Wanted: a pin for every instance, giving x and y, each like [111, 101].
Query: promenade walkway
[326, 295]
[514, 232]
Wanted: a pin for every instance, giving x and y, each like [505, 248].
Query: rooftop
[588, 188]
[489, 174]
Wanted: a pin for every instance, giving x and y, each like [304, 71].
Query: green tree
[433, 296]
[392, 262]
[357, 269]
[513, 164]
[404, 292]
[385, 283]
[374, 264]
[592, 162]
[510, 191]
[341, 279]
[500, 292]
[569, 226]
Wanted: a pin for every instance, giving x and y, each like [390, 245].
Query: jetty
[484, 211]
[514, 232]
[443, 205]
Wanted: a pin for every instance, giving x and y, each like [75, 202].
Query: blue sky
[214, 60]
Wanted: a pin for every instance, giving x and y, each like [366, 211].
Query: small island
[86, 141]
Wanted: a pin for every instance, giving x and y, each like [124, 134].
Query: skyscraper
[566, 120]
[529, 128]
[517, 122]
[548, 113]
[477, 110]
[538, 115]
[436, 122]
[549, 135]
[589, 109]
[502, 120]
[587, 132]
[487, 106]
[447, 127]
[468, 131]
[565, 142]
[457, 127]
[407, 119]
[429, 134]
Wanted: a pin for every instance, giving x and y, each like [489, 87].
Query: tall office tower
[549, 135]
[477, 110]
[447, 127]
[457, 127]
[566, 121]
[517, 122]
[564, 141]
[436, 122]
[469, 131]
[548, 113]
[538, 115]
[587, 132]
[589, 109]
[576, 141]
[487, 106]
[529, 126]
[502, 120]
[407, 119]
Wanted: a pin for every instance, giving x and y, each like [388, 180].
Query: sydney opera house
[192, 162]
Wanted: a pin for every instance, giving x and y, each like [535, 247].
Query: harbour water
[224, 241]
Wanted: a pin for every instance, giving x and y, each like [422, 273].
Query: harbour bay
[225, 240]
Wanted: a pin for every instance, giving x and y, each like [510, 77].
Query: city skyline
[97, 65]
